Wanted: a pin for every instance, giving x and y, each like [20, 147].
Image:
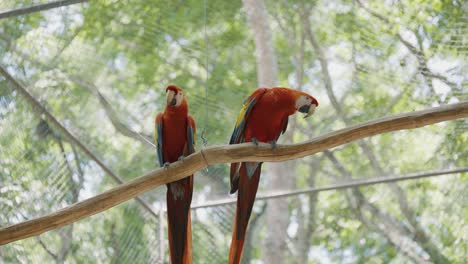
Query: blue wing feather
[191, 134]
[191, 139]
[159, 143]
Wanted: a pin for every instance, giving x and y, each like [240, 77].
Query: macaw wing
[284, 123]
[238, 133]
[244, 114]
[158, 128]
[191, 135]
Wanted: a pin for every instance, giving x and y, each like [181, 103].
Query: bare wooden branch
[39, 7]
[227, 154]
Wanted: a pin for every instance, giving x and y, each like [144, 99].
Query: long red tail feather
[179, 197]
[245, 200]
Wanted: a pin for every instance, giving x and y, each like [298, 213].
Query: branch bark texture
[228, 154]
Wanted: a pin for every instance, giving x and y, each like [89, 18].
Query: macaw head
[306, 104]
[175, 96]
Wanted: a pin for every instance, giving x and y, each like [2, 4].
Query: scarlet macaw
[263, 118]
[175, 139]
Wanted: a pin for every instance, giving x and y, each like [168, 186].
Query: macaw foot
[273, 144]
[166, 165]
[181, 158]
[255, 141]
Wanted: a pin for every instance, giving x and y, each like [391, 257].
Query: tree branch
[228, 154]
[111, 113]
[44, 246]
[247, 256]
[54, 61]
[366, 148]
[387, 226]
[323, 64]
[78, 167]
[419, 233]
[308, 223]
[40, 109]
[120, 126]
[39, 7]
[417, 52]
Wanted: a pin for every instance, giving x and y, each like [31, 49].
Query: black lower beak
[304, 109]
[173, 102]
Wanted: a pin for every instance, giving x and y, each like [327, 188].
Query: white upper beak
[170, 97]
[311, 110]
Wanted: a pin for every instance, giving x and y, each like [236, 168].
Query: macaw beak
[171, 100]
[310, 110]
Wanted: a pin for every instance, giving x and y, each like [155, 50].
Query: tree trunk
[306, 220]
[279, 173]
[267, 68]
[418, 233]
[250, 238]
[375, 219]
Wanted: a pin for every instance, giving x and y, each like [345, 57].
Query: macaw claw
[181, 158]
[255, 141]
[166, 165]
[273, 144]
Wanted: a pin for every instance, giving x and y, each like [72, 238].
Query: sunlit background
[101, 68]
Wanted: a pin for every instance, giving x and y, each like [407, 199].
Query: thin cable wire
[203, 136]
[338, 186]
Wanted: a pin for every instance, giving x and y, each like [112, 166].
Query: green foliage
[130, 51]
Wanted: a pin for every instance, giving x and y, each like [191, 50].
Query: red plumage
[264, 117]
[175, 133]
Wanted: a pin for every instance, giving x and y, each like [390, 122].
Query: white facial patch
[303, 100]
[171, 95]
[179, 98]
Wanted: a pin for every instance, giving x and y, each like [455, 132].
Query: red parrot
[175, 139]
[263, 118]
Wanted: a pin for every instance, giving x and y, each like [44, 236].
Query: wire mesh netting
[100, 68]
